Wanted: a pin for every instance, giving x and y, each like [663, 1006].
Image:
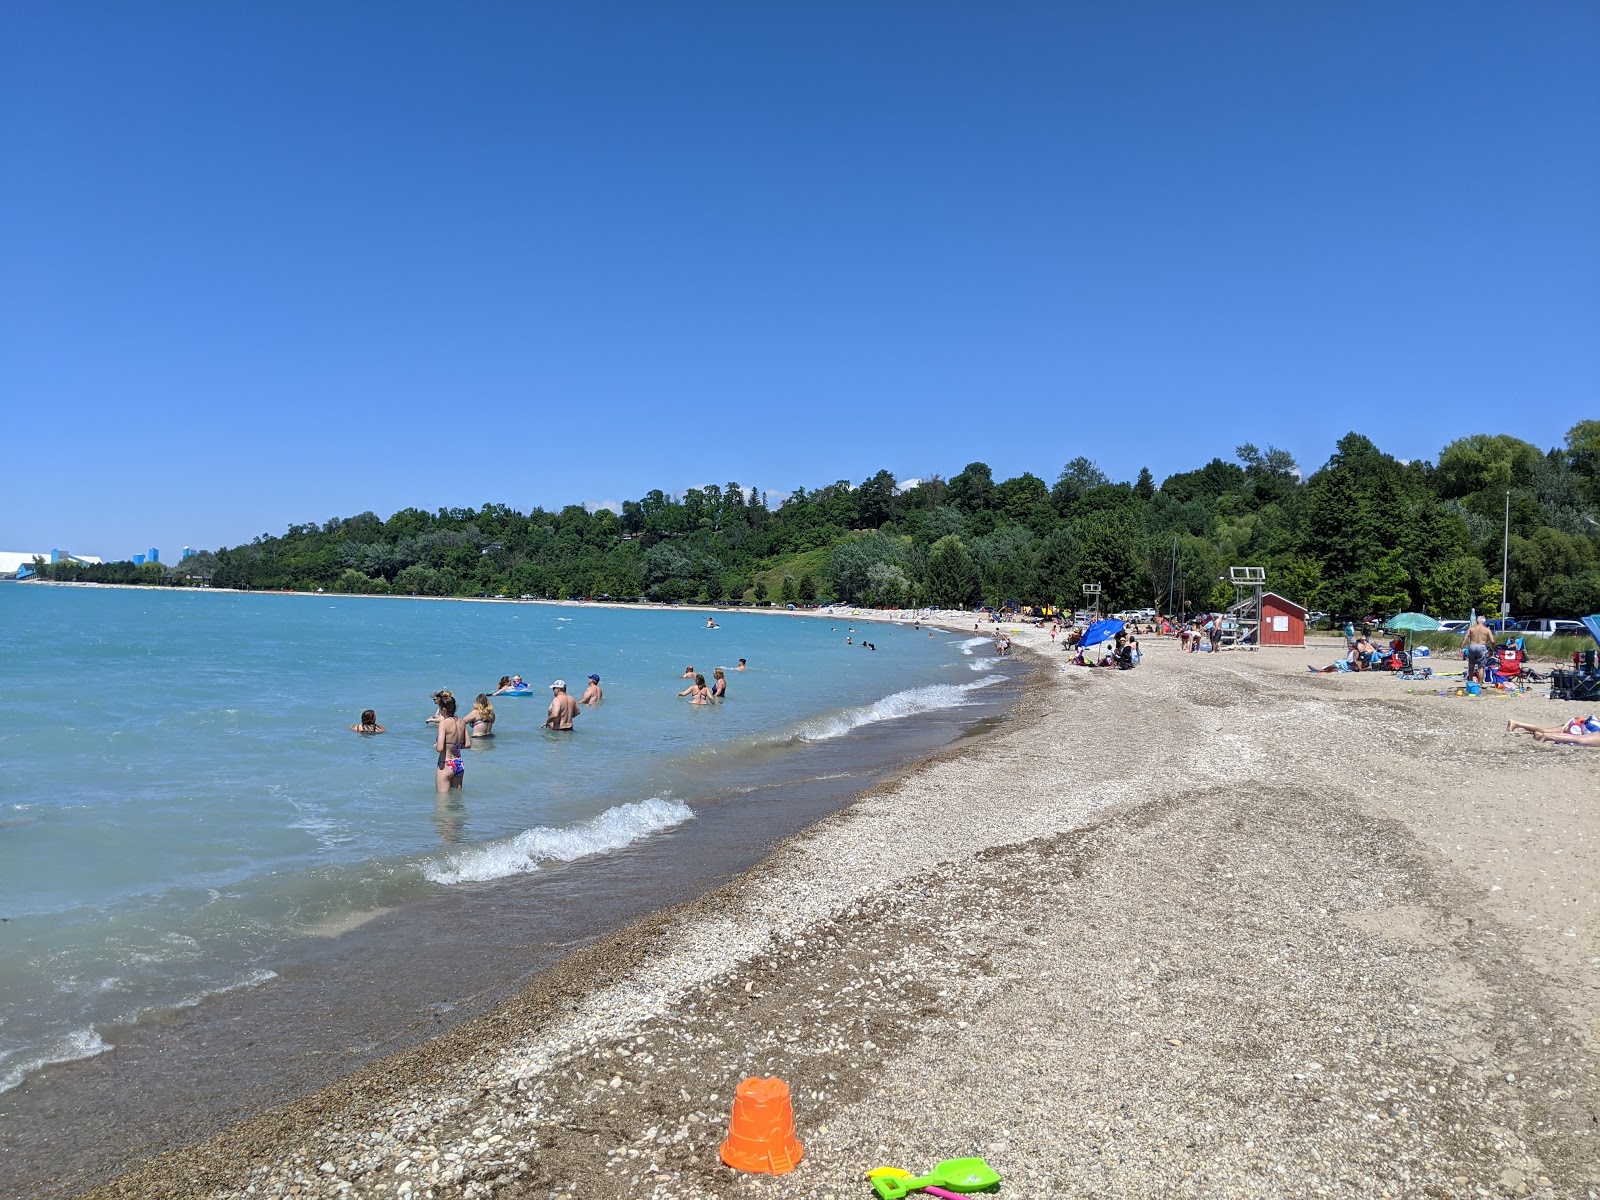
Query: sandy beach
[1212, 927]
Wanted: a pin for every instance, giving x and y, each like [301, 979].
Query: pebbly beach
[1210, 927]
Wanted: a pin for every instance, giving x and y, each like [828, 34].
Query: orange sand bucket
[761, 1133]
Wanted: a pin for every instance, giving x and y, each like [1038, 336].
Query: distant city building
[138, 560]
[187, 552]
[18, 564]
[154, 555]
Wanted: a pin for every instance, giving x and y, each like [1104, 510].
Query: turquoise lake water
[183, 797]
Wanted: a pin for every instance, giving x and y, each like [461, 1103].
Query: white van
[1543, 627]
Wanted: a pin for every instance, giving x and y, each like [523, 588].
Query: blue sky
[263, 263]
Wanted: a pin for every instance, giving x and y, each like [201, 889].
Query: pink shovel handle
[942, 1193]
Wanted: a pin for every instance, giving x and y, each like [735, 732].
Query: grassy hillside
[807, 562]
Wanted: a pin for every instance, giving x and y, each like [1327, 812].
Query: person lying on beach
[591, 694]
[1576, 727]
[697, 691]
[562, 708]
[1568, 739]
[481, 718]
[1347, 663]
[369, 723]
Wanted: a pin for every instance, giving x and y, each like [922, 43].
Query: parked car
[1453, 626]
[1543, 627]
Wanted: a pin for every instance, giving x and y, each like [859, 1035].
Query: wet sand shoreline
[1211, 927]
[402, 977]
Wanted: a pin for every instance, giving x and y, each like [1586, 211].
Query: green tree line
[1363, 533]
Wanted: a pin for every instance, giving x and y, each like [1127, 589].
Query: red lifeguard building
[1283, 622]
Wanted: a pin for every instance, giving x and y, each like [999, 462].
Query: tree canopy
[1364, 532]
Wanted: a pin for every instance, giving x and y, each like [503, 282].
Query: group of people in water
[455, 733]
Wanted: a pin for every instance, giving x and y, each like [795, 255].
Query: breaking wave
[894, 707]
[80, 1043]
[611, 830]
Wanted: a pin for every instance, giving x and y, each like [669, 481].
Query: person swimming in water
[688, 672]
[591, 694]
[369, 723]
[481, 718]
[562, 708]
[513, 684]
[741, 665]
[453, 737]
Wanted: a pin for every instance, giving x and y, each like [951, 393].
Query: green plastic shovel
[956, 1174]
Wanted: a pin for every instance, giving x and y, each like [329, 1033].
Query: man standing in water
[591, 694]
[562, 708]
[1478, 638]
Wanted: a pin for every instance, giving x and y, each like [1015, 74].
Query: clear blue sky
[274, 262]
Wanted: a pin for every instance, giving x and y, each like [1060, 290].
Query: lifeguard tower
[1248, 585]
[1091, 596]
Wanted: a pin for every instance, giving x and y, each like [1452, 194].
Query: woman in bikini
[454, 737]
[369, 723]
[697, 691]
[481, 718]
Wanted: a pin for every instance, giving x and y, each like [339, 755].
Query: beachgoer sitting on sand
[369, 723]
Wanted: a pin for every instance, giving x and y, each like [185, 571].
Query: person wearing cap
[562, 708]
[591, 694]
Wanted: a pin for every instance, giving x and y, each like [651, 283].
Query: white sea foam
[984, 664]
[80, 1043]
[968, 646]
[893, 707]
[611, 830]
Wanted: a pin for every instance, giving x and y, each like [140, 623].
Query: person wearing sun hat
[591, 694]
[562, 708]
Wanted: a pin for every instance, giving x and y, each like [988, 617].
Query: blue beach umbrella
[1100, 631]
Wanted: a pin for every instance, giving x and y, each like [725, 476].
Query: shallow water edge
[400, 979]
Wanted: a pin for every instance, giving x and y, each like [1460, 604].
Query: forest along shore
[1212, 926]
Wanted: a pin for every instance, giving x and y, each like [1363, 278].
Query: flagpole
[1505, 559]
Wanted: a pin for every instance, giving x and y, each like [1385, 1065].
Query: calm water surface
[183, 797]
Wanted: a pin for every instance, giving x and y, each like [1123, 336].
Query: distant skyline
[271, 264]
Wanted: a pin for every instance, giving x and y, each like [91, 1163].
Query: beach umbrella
[1100, 631]
[1411, 623]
